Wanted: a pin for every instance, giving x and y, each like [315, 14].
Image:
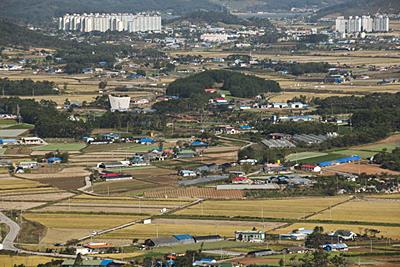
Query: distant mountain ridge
[273, 5]
[42, 11]
[361, 7]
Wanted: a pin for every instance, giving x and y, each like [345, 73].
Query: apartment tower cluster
[142, 22]
[379, 23]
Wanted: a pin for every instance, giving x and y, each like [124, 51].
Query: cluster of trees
[129, 121]
[48, 121]
[388, 160]
[373, 117]
[238, 84]
[27, 87]
[225, 17]
[315, 38]
[347, 104]
[296, 127]
[77, 56]
[296, 68]
[196, 103]
[261, 154]
[210, 17]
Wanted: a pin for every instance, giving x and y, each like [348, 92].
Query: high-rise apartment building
[111, 22]
[357, 24]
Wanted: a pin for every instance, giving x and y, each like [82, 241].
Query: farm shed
[185, 239]
[295, 250]
[261, 253]
[162, 242]
[335, 247]
[248, 187]
[339, 161]
[198, 143]
[208, 238]
[146, 141]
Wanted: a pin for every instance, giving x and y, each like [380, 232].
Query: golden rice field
[168, 203]
[385, 231]
[115, 205]
[168, 227]
[273, 208]
[378, 58]
[386, 196]
[385, 211]
[79, 220]
[62, 226]
[9, 183]
[28, 261]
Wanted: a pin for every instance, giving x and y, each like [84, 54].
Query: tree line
[48, 121]
[27, 87]
[238, 84]
[296, 68]
[389, 160]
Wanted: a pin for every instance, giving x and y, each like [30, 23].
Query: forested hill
[224, 17]
[361, 7]
[274, 5]
[43, 11]
[14, 35]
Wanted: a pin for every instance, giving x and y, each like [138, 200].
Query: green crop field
[121, 147]
[379, 147]
[21, 126]
[61, 147]
[328, 157]
[304, 155]
[350, 152]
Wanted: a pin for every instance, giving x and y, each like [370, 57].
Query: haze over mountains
[42, 11]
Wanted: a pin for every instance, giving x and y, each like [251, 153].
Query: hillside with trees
[27, 87]
[272, 5]
[43, 11]
[74, 55]
[374, 117]
[388, 160]
[224, 17]
[48, 121]
[238, 84]
[15, 35]
[362, 7]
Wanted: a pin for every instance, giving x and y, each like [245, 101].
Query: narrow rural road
[8, 242]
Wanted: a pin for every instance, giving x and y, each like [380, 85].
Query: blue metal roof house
[185, 239]
[8, 141]
[245, 127]
[146, 141]
[335, 247]
[53, 160]
[339, 161]
[198, 143]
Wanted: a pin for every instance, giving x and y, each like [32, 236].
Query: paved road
[8, 242]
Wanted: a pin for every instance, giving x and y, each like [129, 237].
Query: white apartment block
[110, 22]
[379, 23]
